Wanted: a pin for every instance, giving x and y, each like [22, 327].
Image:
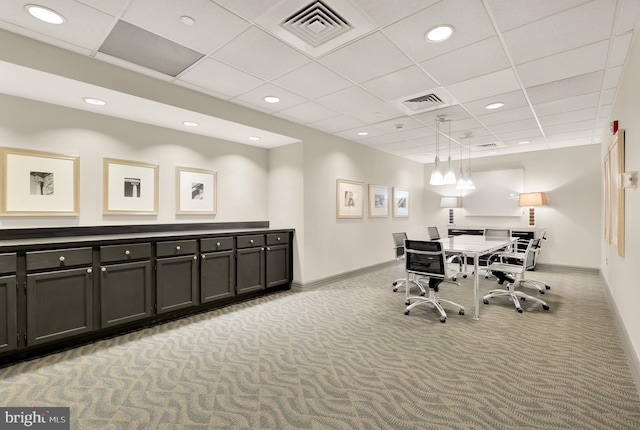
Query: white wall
[573, 217]
[621, 273]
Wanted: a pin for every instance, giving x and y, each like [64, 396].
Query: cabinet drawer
[58, 258]
[277, 238]
[8, 263]
[216, 244]
[132, 251]
[250, 241]
[176, 247]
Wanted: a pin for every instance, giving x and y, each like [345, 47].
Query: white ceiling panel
[569, 117]
[306, 112]
[566, 88]
[256, 97]
[485, 86]
[218, 77]
[568, 104]
[619, 50]
[337, 124]
[507, 115]
[403, 83]
[312, 81]
[510, 14]
[356, 102]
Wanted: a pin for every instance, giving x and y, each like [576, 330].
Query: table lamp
[531, 200]
[450, 202]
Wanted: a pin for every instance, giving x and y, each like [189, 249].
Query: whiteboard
[496, 193]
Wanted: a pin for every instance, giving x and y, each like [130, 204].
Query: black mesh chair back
[398, 242]
[426, 259]
[433, 233]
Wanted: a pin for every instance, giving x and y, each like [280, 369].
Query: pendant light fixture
[465, 182]
[449, 177]
[436, 175]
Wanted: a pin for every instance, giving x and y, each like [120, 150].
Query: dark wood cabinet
[176, 275]
[125, 283]
[8, 303]
[217, 269]
[250, 266]
[277, 260]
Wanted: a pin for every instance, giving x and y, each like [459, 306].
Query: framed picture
[400, 202]
[39, 183]
[378, 201]
[129, 187]
[614, 193]
[349, 199]
[195, 191]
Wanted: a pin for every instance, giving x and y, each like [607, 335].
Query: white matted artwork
[196, 191]
[496, 193]
[378, 201]
[400, 202]
[129, 187]
[39, 183]
[349, 199]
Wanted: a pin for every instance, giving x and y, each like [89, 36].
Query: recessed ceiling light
[187, 20]
[255, 138]
[524, 142]
[271, 99]
[44, 14]
[363, 133]
[94, 101]
[190, 123]
[494, 105]
[439, 33]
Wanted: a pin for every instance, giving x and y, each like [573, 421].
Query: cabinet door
[217, 275]
[59, 305]
[277, 265]
[125, 292]
[250, 270]
[8, 316]
[176, 283]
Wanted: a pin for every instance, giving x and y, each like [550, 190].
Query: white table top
[467, 243]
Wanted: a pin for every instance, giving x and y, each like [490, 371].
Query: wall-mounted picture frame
[129, 187]
[196, 191]
[349, 199]
[400, 202]
[37, 183]
[614, 193]
[378, 201]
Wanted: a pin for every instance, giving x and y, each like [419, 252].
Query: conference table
[474, 246]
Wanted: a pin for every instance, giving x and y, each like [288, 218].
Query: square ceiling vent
[425, 101]
[316, 27]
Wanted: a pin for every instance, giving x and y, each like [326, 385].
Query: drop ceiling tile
[533, 135]
[485, 86]
[213, 75]
[612, 77]
[255, 98]
[400, 84]
[112, 7]
[628, 17]
[511, 100]
[312, 81]
[583, 25]
[568, 104]
[619, 50]
[468, 62]
[268, 59]
[608, 96]
[395, 125]
[375, 141]
[507, 115]
[584, 128]
[337, 124]
[505, 127]
[366, 58]
[306, 112]
[562, 141]
[358, 103]
[510, 14]
[384, 12]
[529, 148]
[580, 61]
[467, 16]
[567, 117]
[214, 26]
[246, 9]
[566, 88]
[454, 113]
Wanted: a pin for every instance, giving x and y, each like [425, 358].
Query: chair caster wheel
[443, 320]
[408, 302]
[395, 290]
[524, 299]
[545, 307]
[454, 279]
[464, 276]
[394, 283]
[485, 301]
[406, 312]
[541, 291]
[548, 287]
[422, 293]
[519, 310]
[461, 312]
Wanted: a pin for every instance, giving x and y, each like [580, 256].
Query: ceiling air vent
[433, 99]
[486, 145]
[316, 24]
[419, 103]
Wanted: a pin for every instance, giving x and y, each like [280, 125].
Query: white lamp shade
[450, 202]
[532, 199]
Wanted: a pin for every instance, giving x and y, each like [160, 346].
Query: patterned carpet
[344, 356]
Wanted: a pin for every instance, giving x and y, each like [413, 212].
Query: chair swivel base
[400, 283]
[541, 286]
[515, 296]
[433, 300]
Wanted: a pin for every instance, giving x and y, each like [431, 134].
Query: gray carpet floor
[344, 356]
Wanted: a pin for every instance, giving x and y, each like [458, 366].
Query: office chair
[427, 259]
[452, 257]
[398, 246]
[508, 272]
[517, 257]
[498, 233]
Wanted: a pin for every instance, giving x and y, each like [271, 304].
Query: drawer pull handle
[61, 258]
[218, 244]
[251, 241]
[268, 249]
[178, 248]
[103, 269]
[278, 237]
[195, 257]
[127, 252]
[89, 270]
[204, 256]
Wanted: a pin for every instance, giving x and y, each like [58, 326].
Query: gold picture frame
[196, 191]
[129, 187]
[614, 193]
[349, 199]
[37, 183]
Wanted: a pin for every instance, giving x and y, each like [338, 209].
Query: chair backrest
[433, 233]
[425, 258]
[497, 232]
[533, 248]
[398, 244]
